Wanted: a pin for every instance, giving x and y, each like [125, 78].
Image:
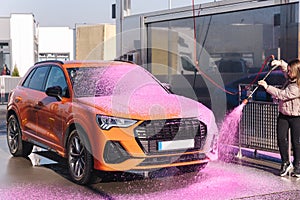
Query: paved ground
[2, 119]
[43, 175]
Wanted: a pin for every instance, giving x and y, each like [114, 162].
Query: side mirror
[55, 91]
[187, 64]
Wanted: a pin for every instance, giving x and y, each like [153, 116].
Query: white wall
[56, 40]
[109, 42]
[22, 32]
[4, 30]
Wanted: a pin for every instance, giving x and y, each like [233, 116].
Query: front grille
[152, 132]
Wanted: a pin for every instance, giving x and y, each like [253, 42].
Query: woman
[5, 70]
[289, 114]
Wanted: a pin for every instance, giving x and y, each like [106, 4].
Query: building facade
[95, 42]
[18, 42]
[56, 43]
[23, 42]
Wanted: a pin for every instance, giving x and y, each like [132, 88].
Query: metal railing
[7, 83]
[257, 127]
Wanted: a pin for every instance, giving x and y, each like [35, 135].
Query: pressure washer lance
[245, 101]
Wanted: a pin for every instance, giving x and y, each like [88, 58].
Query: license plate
[176, 144]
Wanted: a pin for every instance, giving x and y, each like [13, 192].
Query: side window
[37, 80]
[57, 78]
[28, 78]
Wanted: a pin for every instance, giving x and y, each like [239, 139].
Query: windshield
[113, 80]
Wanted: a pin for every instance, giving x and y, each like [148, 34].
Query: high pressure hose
[245, 101]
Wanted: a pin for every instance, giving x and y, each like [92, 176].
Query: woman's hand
[263, 83]
[279, 63]
[276, 63]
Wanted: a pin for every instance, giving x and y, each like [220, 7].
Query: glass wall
[225, 47]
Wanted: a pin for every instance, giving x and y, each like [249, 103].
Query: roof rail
[47, 61]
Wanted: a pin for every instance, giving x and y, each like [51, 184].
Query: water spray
[245, 101]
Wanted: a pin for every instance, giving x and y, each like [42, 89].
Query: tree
[15, 71]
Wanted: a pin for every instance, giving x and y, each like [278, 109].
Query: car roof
[86, 63]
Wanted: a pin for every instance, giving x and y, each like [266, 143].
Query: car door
[31, 91]
[52, 114]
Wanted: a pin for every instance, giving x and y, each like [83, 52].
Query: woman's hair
[295, 69]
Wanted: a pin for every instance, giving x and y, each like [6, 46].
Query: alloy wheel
[77, 157]
[13, 133]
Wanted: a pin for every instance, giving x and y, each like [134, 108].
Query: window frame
[67, 92]
[31, 75]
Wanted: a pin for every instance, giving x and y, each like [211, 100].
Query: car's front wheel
[16, 145]
[80, 160]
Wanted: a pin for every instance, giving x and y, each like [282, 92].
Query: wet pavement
[44, 176]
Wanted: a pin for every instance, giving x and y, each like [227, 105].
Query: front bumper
[147, 137]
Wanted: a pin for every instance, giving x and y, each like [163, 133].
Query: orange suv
[107, 116]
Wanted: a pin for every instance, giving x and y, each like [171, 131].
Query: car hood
[145, 107]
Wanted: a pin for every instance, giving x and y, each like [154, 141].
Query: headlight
[107, 122]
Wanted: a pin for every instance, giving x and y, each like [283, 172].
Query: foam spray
[229, 132]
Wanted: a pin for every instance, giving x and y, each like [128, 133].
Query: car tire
[16, 145]
[80, 160]
[192, 168]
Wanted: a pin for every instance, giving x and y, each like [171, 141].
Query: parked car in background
[276, 78]
[229, 68]
[232, 66]
[107, 116]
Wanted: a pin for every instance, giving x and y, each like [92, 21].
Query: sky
[71, 12]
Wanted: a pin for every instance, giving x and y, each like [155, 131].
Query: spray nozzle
[245, 101]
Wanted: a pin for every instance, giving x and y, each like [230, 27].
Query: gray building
[18, 41]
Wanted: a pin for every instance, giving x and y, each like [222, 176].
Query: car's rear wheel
[80, 160]
[192, 168]
[16, 145]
